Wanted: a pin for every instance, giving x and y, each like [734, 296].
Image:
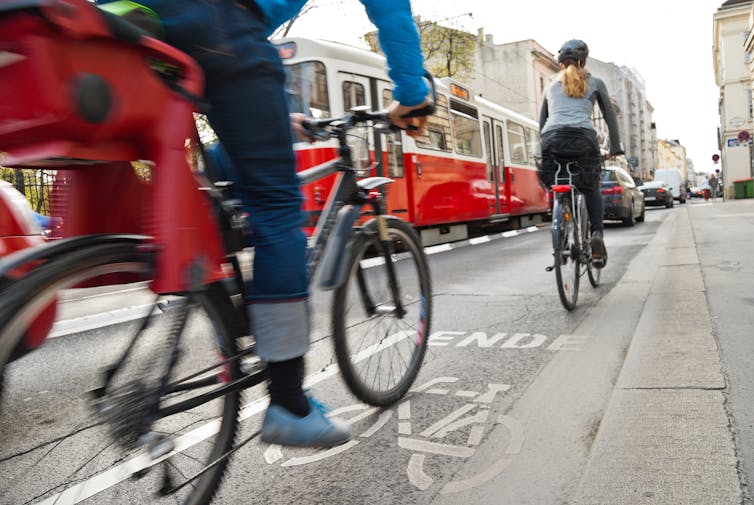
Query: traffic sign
[744, 136]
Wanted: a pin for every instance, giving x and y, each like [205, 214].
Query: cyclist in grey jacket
[565, 123]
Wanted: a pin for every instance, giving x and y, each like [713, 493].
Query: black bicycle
[168, 396]
[572, 253]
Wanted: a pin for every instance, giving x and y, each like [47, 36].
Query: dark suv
[622, 199]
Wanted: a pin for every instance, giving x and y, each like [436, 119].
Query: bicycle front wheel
[565, 245]
[63, 444]
[379, 340]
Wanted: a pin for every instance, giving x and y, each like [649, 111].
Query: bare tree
[448, 51]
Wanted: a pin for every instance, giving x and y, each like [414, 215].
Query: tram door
[493, 143]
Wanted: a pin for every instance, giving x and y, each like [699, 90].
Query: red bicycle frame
[81, 94]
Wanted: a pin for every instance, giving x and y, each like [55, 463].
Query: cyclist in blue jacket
[248, 111]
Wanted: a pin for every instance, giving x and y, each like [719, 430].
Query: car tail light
[615, 190]
[660, 190]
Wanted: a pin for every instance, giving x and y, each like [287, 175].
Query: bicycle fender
[374, 182]
[556, 224]
[335, 258]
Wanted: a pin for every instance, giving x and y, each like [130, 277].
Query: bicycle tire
[593, 273]
[20, 459]
[564, 236]
[350, 317]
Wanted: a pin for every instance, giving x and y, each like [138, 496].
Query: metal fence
[35, 184]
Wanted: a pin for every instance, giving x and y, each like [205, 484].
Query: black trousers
[580, 145]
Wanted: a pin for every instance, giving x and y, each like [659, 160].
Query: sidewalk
[665, 437]
[91, 308]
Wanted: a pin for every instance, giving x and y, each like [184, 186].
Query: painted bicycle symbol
[468, 423]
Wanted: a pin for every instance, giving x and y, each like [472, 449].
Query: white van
[673, 177]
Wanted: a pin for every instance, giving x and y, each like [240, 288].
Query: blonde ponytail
[574, 81]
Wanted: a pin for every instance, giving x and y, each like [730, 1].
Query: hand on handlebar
[301, 132]
[414, 126]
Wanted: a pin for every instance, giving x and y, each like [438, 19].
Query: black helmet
[573, 50]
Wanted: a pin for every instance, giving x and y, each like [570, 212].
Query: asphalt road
[513, 404]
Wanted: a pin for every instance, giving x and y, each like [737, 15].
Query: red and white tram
[474, 164]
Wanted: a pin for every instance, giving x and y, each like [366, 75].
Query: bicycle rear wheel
[565, 246]
[379, 350]
[62, 444]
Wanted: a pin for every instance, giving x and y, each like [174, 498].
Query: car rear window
[609, 176]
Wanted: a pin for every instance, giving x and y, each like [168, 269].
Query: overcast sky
[669, 42]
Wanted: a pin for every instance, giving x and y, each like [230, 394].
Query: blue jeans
[248, 111]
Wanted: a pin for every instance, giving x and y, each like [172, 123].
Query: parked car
[622, 199]
[673, 177]
[657, 193]
[695, 192]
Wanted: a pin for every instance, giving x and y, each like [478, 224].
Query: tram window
[467, 135]
[306, 87]
[437, 133]
[533, 149]
[353, 95]
[517, 142]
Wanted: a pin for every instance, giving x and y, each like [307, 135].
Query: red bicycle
[169, 394]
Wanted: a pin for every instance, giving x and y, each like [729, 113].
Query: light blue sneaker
[315, 430]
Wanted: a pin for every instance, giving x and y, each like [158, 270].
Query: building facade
[638, 131]
[671, 154]
[514, 74]
[732, 45]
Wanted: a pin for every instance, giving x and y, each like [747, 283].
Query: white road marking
[273, 453]
[475, 436]
[437, 248]
[494, 389]
[404, 412]
[455, 451]
[305, 460]
[476, 480]
[437, 391]
[447, 420]
[467, 394]
[415, 472]
[381, 421]
[480, 240]
[477, 419]
[429, 384]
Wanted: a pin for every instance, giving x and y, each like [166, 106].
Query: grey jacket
[559, 110]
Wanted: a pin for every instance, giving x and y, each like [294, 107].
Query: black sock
[286, 379]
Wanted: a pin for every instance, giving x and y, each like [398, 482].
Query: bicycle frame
[559, 190]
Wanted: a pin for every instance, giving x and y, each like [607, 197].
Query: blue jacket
[399, 40]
